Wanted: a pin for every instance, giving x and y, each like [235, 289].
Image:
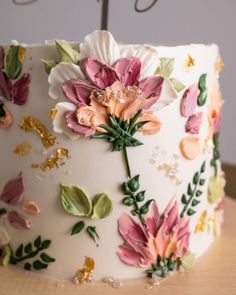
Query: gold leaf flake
[21, 54]
[202, 223]
[53, 113]
[219, 65]
[83, 275]
[189, 62]
[54, 161]
[30, 124]
[23, 149]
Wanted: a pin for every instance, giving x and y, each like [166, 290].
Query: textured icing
[93, 167]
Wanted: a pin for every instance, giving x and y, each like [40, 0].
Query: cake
[109, 157]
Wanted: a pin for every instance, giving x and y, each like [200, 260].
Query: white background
[170, 22]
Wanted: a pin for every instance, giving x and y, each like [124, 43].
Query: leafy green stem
[15, 260]
[126, 162]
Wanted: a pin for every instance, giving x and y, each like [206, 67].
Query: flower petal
[73, 124]
[190, 147]
[152, 127]
[99, 74]
[147, 54]
[60, 74]
[152, 218]
[5, 86]
[59, 121]
[193, 124]
[18, 221]
[31, 208]
[78, 91]
[129, 256]
[100, 45]
[13, 191]
[20, 90]
[189, 101]
[128, 70]
[2, 55]
[151, 86]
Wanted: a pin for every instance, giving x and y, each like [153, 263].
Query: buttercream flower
[216, 189]
[165, 236]
[109, 80]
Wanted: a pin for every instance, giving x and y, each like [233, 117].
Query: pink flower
[164, 235]
[112, 90]
[189, 101]
[193, 124]
[13, 191]
[18, 221]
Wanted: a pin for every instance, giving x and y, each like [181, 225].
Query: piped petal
[20, 90]
[129, 256]
[60, 74]
[18, 221]
[5, 86]
[13, 191]
[100, 45]
[189, 101]
[73, 124]
[151, 86]
[194, 123]
[152, 127]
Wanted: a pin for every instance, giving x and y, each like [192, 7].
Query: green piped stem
[127, 166]
[15, 260]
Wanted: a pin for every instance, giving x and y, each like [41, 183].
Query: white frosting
[93, 166]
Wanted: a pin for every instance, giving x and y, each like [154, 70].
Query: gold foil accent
[202, 222]
[21, 54]
[53, 113]
[32, 124]
[219, 65]
[190, 62]
[54, 161]
[23, 149]
[83, 275]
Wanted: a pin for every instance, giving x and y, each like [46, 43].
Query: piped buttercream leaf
[178, 85]
[48, 65]
[102, 206]
[166, 67]
[67, 52]
[75, 201]
[6, 255]
[13, 61]
[188, 260]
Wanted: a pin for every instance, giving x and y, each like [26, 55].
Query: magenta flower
[166, 235]
[114, 90]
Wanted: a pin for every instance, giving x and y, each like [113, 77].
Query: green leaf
[6, 255]
[188, 260]
[102, 206]
[27, 266]
[202, 97]
[166, 67]
[145, 208]
[184, 199]
[198, 193]
[203, 167]
[190, 191]
[48, 65]
[19, 251]
[202, 82]
[28, 248]
[37, 242]
[46, 258]
[134, 212]
[133, 183]
[75, 201]
[179, 86]
[140, 196]
[196, 178]
[190, 212]
[134, 119]
[67, 52]
[137, 126]
[46, 244]
[202, 181]
[77, 228]
[125, 188]
[38, 265]
[92, 232]
[195, 202]
[13, 61]
[128, 201]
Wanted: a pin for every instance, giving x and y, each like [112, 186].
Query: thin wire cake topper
[105, 8]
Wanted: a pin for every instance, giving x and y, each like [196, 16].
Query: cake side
[178, 157]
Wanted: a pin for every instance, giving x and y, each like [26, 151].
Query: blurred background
[169, 22]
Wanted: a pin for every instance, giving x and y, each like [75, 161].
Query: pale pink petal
[161, 240]
[129, 256]
[194, 123]
[152, 127]
[18, 221]
[171, 216]
[183, 228]
[13, 191]
[78, 92]
[5, 86]
[72, 124]
[20, 90]
[152, 218]
[183, 245]
[151, 86]
[189, 101]
[100, 75]
[128, 70]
